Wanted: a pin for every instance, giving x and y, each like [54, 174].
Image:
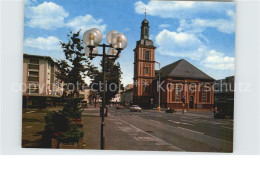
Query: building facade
[41, 86]
[144, 67]
[117, 98]
[84, 94]
[127, 97]
[224, 97]
[182, 86]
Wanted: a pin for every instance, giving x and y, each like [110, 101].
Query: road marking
[191, 130]
[188, 124]
[174, 121]
[226, 127]
[144, 138]
[178, 122]
[155, 138]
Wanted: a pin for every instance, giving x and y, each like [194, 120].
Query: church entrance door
[191, 102]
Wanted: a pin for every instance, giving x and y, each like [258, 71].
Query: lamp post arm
[104, 46]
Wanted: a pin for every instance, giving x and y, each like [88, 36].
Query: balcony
[34, 79]
[32, 66]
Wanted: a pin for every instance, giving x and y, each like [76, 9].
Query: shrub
[55, 122]
[58, 123]
[73, 135]
[79, 124]
[71, 108]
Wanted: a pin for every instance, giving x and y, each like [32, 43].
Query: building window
[146, 70]
[34, 73]
[204, 96]
[34, 67]
[33, 88]
[147, 55]
[34, 61]
[178, 95]
[33, 64]
[145, 31]
[33, 79]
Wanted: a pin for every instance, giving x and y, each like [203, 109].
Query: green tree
[92, 97]
[112, 75]
[62, 74]
[74, 69]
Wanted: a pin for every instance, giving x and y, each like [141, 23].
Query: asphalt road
[191, 131]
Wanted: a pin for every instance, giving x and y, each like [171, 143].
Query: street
[148, 130]
[152, 130]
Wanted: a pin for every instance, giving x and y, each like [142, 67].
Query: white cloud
[86, 22]
[50, 16]
[47, 15]
[162, 26]
[49, 43]
[182, 9]
[189, 45]
[180, 44]
[199, 25]
[194, 16]
[217, 60]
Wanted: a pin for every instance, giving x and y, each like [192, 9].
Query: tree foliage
[112, 76]
[74, 69]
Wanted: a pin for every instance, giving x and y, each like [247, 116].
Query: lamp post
[117, 42]
[159, 97]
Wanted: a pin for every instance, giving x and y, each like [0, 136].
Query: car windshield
[135, 106]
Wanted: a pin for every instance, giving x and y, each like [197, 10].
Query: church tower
[144, 68]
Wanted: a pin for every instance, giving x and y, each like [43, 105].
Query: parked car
[119, 107]
[136, 108]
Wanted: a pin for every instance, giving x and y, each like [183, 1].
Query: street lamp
[159, 97]
[117, 42]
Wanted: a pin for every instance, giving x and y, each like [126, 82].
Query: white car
[135, 108]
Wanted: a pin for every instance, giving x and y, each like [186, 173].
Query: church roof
[145, 22]
[183, 69]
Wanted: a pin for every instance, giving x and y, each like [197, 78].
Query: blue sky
[201, 32]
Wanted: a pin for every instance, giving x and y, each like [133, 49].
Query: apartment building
[41, 86]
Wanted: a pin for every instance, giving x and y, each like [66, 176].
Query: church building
[182, 85]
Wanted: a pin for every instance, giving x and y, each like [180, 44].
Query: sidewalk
[119, 135]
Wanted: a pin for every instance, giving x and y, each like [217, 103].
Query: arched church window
[178, 94]
[146, 70]
[147, 54]
[145, 31]
[204, 95]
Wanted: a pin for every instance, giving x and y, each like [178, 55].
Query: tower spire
[145, 12]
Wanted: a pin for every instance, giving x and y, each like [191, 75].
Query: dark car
[169, 110]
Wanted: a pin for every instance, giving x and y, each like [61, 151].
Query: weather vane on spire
[145, 11]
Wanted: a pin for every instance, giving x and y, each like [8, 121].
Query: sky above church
[203, 33]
